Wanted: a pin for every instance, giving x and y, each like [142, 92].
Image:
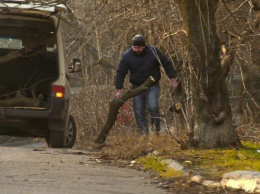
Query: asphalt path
[28, 166]
[9, 141]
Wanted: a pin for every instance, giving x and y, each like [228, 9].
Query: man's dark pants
[149, 98]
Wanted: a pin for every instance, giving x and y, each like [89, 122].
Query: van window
[11, 43]
[26, 33]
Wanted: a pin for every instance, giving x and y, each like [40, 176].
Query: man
[143, 61]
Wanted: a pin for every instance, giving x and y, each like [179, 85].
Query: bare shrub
[104, 30]
[129, 145]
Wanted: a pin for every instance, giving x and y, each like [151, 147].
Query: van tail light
[57, 91]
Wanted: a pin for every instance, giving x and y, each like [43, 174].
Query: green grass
[154, 163]
[226, 160]
[214, 161]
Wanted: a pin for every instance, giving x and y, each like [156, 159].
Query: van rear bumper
[57, 110]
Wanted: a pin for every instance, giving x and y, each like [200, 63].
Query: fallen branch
[114, 106]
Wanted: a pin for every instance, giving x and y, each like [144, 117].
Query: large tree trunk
[212, 118]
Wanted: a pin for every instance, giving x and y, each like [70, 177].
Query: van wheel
[63, 139]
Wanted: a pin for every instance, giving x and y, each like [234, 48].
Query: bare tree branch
[116, 104]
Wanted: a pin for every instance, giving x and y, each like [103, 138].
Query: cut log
[177, 99]
[21, 101]
[176, 106]
[114, 106]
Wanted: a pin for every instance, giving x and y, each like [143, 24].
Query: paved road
[54, 171]
[22, 142]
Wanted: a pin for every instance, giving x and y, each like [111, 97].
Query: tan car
[34, 76]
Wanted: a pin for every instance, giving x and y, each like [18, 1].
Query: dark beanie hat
[138, 40]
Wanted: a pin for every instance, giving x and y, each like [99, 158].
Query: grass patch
[155, 164]
[209, 162]
[222, 161]
[149, 151]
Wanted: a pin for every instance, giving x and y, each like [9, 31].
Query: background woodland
[99, 32]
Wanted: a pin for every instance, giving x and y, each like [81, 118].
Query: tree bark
[114, 106]
[212, 119]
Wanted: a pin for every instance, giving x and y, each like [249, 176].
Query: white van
[34, 76]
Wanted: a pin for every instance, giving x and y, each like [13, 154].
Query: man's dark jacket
[142, 66]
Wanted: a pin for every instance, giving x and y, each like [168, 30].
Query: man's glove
[119, 93]
[174, 83]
